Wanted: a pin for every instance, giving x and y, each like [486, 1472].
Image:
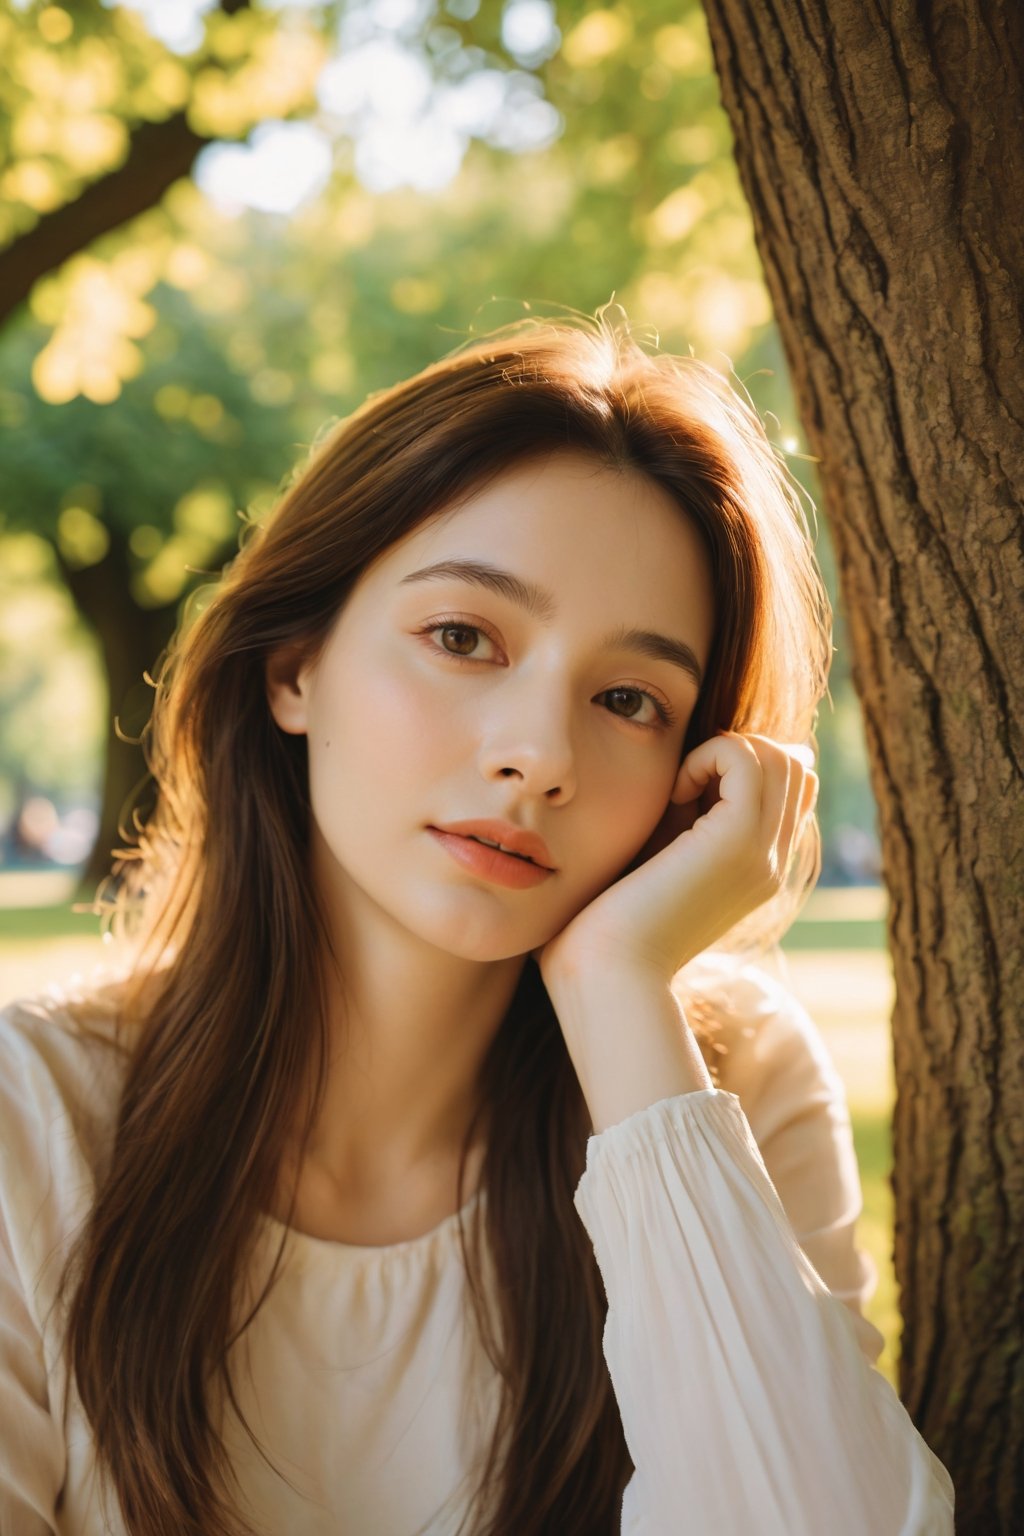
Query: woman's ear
[288, 680]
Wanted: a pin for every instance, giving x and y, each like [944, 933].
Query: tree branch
[159, 155]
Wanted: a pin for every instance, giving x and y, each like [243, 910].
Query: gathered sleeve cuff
[747, 1397]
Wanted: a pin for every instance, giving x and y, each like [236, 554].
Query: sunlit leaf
[612, 159]
[26, 557]
[206, 512]
[81, 537]
[91, 144]
[164, 578]
[333, 372]
[595, 37]
[34, 183]
[673, 218]
[145, 541]
[172, 401]
[55, 25]
[684, 49]
[187, 265]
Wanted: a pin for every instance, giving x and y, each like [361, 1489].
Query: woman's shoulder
[62, 1070]
[754, 1032]
[61, 1077]
[71, 1026]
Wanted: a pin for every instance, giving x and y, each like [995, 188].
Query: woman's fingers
[765, 790]
[789, 791]
[780, 771]
[802, 796]
[727, 757]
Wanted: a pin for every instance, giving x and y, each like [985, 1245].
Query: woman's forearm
[628, 1038]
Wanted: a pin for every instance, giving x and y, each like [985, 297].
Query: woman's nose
[530, 737]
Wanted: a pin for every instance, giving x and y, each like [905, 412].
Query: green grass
[873, 1141]
[836, 933]
[56, 922]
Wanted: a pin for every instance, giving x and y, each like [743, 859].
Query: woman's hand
[722, 848]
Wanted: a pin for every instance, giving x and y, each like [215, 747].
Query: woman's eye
[467, 637]
[464, 645]
[661, 712]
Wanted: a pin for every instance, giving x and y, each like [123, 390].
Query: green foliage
[186, 443]
[70, 90]
[166, 379]
[49, 672]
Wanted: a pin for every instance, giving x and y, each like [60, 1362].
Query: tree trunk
[131, 639]
[882, 153]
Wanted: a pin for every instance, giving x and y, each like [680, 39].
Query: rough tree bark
[881, 148]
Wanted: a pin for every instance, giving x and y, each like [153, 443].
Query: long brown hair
[223, 1012]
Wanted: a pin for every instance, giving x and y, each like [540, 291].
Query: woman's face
[542, 719]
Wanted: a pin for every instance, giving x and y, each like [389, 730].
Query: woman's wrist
[628, 1038]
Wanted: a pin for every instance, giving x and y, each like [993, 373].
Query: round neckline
[300, 1241]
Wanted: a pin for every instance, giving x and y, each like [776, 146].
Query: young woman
[443, 1162]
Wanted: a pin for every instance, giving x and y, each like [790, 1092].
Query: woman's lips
[490, 863]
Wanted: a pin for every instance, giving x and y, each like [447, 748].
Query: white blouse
[723, 1224]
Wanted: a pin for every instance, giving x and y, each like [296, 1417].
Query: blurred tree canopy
[174, 341]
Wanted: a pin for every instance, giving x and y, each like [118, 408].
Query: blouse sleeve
[745, 1387]
[31, 1442]
[31, 1454]
[794, 1099]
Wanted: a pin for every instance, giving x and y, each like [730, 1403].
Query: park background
[371, 184]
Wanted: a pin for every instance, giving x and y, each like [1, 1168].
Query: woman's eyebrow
[540, 604]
